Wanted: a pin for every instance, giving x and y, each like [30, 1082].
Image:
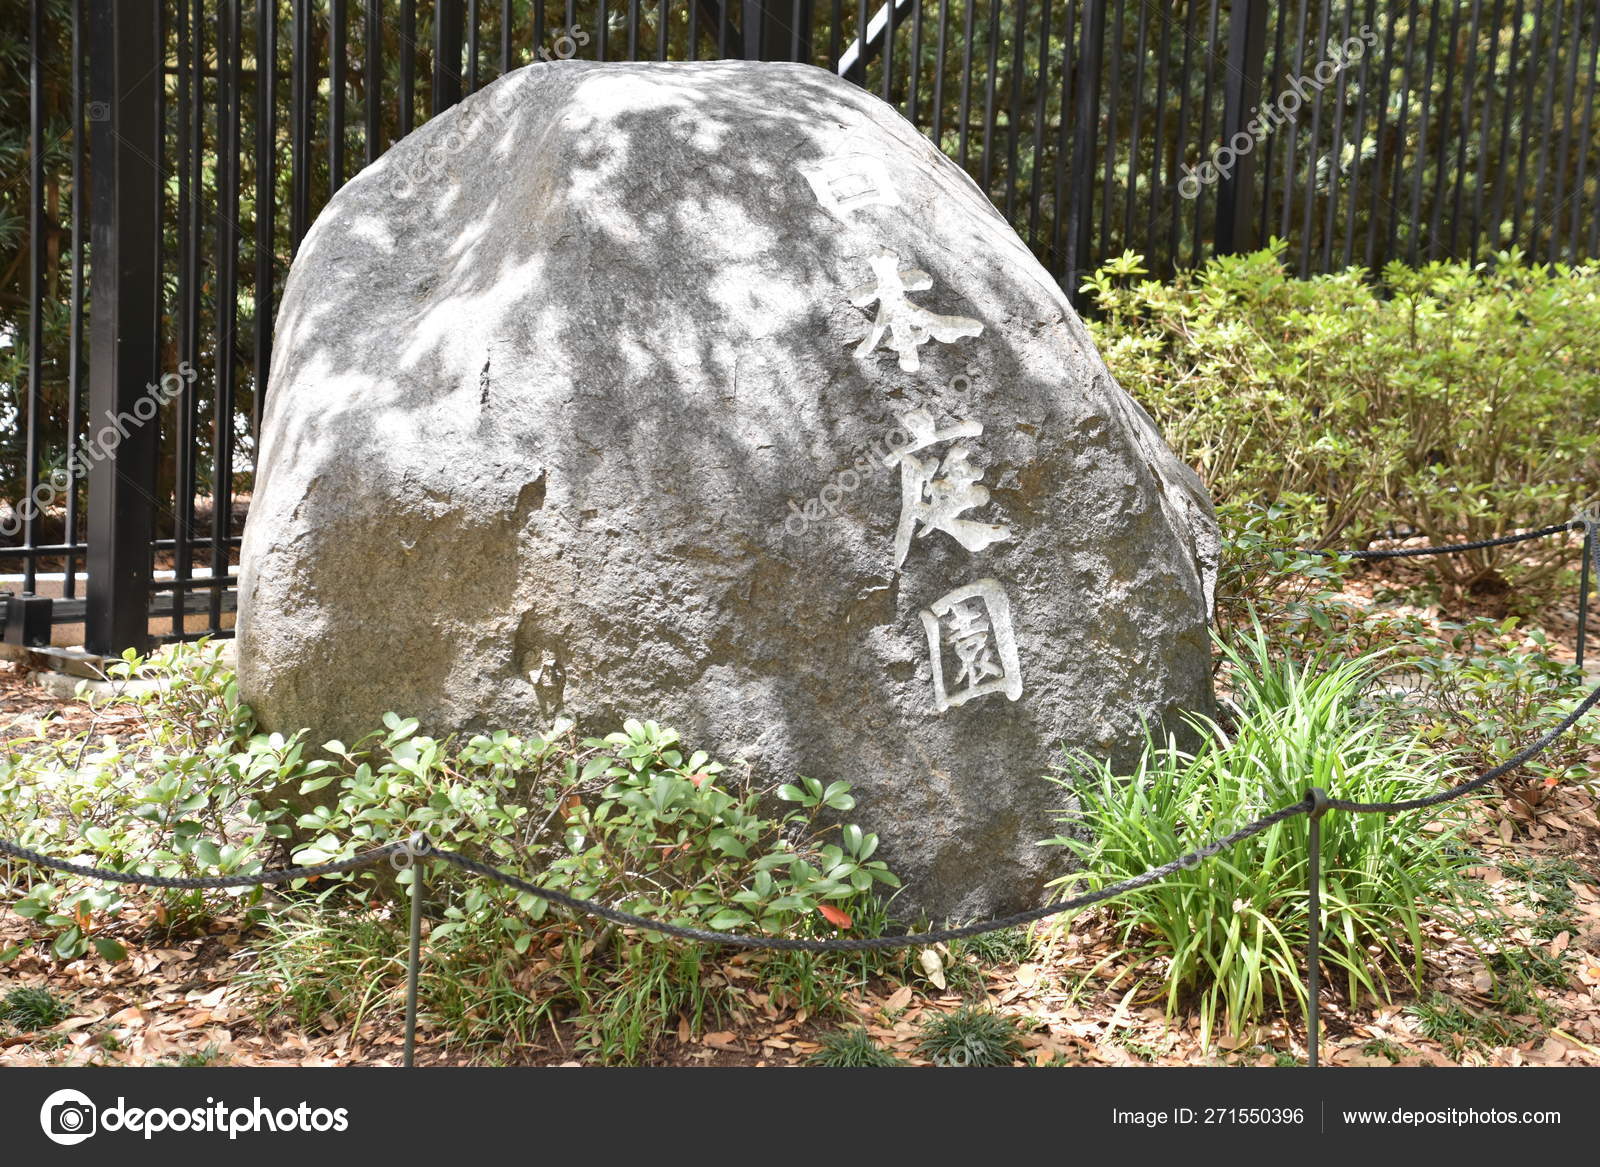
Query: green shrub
[1454, 401]
[1231, 932]
[184, 795]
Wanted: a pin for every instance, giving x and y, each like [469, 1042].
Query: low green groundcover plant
[1228, 937]
[628, 819]
[971, 1036]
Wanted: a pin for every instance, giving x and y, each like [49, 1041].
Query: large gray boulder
[713, 393]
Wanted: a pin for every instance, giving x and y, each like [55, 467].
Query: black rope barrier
[1457, 548]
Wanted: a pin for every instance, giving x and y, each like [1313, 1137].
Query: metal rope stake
[418, 847]
[1583, 586]
[1319, 806]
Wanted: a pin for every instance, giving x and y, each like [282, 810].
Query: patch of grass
[1526, 966]
[851, 1047]
[1142, 1050]
[1546, 887]
[197, 1058]
[1383, 1047]
[325, 963]
[1460, 1029]
[971, 1037]
[1007, 946]
[30, 1008]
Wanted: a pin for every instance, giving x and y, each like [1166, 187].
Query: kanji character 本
[906, 325]
[975, 620]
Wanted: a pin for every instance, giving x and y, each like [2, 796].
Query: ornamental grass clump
[1227, 937]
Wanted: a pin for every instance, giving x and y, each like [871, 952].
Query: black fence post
[1080, 205]
[777, 30]
[124, 326]
[447, 45]
[1236, 188]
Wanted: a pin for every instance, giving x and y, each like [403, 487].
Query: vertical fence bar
[1159, 146]
[1308, 207]
[938, 74]
[266, 163]
[1080, 208]
[1585, 144]
[124, 71]
[1113, 63]
[1197, 251]
[1483, 131]
[1247, 44]
[1272, 86]
[1542, 172]
[966, 88]
[887, 52]
[1014, 106]
[1420, 165]
[230, 71]
[75, 325]
[986, 170]
[300, 125]
[1497, 202]
[190, 303]
[472, 46]
[1336, 151]
[408, 66]
[914, 70]
[1130, 196]
[36, 254]
[372, 82]
[183, 449]
[507, 18]
[1293, 127]
[1040, 111]
[1379, 138]
[1568, 112]
[1359, 139]
[1058, 223]
[338, 29]
[1180, 148]
[338, 32]
[1531, 68]
[446, 54]
[1469, 77]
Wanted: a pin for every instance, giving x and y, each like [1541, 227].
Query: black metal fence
[170, 155]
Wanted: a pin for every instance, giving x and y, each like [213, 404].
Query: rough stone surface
[656, 390]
